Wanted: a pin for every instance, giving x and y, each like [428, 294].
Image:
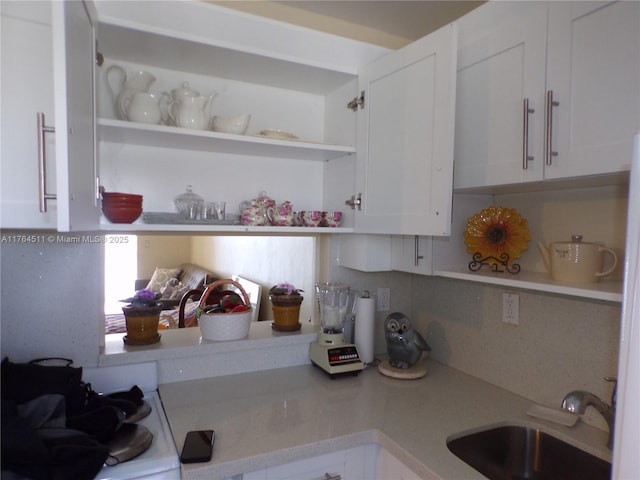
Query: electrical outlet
[383, 299]
[510, 308]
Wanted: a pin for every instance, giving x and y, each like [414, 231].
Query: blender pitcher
[336, 302]
[331, 353]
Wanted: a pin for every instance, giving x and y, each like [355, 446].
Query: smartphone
[198, 446]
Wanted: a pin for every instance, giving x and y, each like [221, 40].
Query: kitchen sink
[518, 452]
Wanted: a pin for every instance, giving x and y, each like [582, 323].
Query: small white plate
[562, 417]
[277, 134]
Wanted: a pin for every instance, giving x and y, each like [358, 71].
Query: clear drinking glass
[219, 208]
[194, 209]
[209, 211]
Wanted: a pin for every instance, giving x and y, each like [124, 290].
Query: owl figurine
[404, 344]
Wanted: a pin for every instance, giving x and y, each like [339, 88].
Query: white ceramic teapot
[192, 112]
[128, 85]
[177, 94]
[576, 261]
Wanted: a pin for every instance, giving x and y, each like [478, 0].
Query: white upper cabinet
[553, 92]
[412, 254]
[497, 74]
[404, 162]
[73, 61]
[287, 78]
[593, 70]
[27, 88]
[34, 46]
[291, 79]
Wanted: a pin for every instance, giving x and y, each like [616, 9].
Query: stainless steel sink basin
[518, 452]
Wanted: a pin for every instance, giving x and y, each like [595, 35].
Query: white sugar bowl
[237, 124]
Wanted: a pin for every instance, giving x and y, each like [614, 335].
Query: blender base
[336, 360]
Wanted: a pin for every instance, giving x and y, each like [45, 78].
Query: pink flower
[145, 294]
[284, 288]
[144, 298]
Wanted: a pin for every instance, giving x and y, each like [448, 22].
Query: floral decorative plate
[497, 231]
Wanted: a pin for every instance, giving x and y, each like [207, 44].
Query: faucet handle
[614, 394]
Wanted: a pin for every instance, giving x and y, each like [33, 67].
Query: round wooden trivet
[414, 372]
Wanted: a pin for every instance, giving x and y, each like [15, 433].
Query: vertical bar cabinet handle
[548, 128]
[417, 256]
[42, 163]
[526, 111]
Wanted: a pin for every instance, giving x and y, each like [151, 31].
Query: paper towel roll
[365, 315]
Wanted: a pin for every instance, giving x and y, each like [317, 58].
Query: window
[121, 270]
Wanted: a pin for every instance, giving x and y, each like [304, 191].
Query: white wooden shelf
[606, 290]
[140, 226]
[120, 131]
[168, 51]
[224, 42]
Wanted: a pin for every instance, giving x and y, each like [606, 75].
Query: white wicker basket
[224, 326]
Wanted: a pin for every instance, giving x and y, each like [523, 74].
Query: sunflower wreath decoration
[495, 237]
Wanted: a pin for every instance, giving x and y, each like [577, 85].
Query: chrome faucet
[578, 401]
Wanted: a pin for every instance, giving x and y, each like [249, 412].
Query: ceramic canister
[578, 261]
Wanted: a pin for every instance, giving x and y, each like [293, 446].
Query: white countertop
[187, 342]
[183, 355]
[263, 419]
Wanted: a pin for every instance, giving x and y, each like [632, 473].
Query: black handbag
[22, 382]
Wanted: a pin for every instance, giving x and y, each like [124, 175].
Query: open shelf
[545, 211]
[120, 131]
[218, 229]
[606, 290]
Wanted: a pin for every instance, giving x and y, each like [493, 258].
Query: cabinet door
[594, 73]
[74, 59]
[26, 89]
[367, 253]
[495, 76]
[412, 254]
[388, 466]
[405, 139]
[32, 76]
[314, 468]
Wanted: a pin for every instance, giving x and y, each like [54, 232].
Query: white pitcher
[143, 107]
[192, 112]
[128, 85]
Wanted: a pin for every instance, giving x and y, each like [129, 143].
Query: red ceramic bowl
[123, 197]
[122, 214]
[121, 204]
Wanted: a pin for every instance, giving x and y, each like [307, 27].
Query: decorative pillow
[160, 278]
[174, 289]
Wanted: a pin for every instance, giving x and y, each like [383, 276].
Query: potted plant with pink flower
[285, 303]
[142, 316]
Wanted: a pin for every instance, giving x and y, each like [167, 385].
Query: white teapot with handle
[177, 94]
[576, 261]
[192, 112]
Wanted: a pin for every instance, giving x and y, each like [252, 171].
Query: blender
[331, 353]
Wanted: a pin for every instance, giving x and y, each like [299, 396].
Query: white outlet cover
[511, 308]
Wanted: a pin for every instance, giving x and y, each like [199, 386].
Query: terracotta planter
[142, 325]
[286, 312]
